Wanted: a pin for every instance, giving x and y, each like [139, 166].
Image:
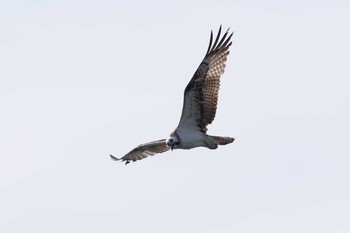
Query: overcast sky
[82, 79]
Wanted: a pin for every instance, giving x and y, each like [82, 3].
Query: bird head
[173, 141]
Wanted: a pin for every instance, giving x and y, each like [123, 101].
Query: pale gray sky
[82, 79]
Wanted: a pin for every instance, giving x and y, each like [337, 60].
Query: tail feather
[223, 140]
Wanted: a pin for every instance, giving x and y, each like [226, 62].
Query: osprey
[199, 107]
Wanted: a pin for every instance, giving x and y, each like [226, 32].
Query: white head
[173, 141]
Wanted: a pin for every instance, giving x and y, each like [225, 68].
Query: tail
[223, 140]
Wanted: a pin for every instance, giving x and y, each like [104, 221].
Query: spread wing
[143, 151]
[201, 93]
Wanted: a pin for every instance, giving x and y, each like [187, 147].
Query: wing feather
[144, 150]
[201, 93]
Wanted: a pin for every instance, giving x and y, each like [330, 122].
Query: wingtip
[228, 30]
[114, 158]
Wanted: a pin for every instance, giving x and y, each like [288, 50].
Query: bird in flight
[199, 106]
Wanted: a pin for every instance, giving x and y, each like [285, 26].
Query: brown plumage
[204, 86]
[144, 150]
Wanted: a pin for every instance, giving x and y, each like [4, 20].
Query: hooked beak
[172, 147]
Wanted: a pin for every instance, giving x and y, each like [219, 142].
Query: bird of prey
[199, 106]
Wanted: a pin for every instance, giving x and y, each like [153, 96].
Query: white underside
[192, 138]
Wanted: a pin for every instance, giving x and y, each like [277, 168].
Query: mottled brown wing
[201, 93]
[143, 151]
